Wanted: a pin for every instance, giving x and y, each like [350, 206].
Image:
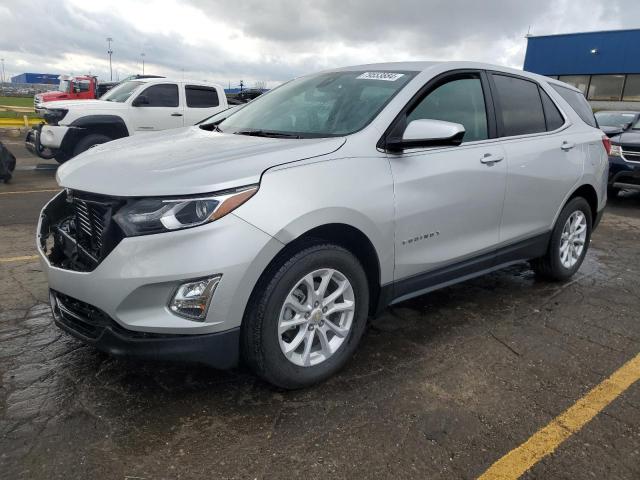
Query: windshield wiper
[266, 133]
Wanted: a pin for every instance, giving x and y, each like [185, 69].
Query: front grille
[92, 220]
[81, 228]
[630, 148]
[631, 153]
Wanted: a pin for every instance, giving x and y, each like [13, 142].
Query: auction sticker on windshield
[385, 76]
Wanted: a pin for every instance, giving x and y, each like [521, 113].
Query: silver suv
[272, 235]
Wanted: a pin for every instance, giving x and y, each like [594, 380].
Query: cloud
[276, 40]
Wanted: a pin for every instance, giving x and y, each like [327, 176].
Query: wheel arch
[113, 126]
[344, 235]
[588, 192]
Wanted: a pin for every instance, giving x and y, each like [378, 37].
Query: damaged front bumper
[33, 143]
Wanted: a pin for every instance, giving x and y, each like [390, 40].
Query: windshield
[608, 119]
[121, 92]
[322, 105]
[65, 86]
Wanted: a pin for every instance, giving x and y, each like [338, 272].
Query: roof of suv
[424, 66]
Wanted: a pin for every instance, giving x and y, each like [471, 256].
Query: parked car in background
[615, 122]
[82, 87]
[85, 87]
[133, 107]
[274, 236]
[624, 158]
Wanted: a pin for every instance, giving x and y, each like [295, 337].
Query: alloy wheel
[573, 239]
[316, 317]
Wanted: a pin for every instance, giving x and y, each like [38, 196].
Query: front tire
[89, 141]
[569, 242]
[307, 317]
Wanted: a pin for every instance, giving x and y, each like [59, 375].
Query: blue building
[37, 78]
[605, 66]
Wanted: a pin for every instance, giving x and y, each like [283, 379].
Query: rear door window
[577, 101]
[201, 97]
[519, 106]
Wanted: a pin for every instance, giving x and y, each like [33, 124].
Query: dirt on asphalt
[441, 387]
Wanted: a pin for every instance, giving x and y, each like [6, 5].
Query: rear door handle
[176, 114]
[490, 159]
[566, 146]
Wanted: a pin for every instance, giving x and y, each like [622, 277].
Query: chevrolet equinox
[270, 236]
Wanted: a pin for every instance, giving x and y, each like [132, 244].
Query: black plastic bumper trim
[218, 350]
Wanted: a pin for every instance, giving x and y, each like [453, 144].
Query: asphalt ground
[502, 375]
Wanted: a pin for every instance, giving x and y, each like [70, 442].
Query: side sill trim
[457, 272]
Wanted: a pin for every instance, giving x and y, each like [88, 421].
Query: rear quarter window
[579, 104]
[551, 113]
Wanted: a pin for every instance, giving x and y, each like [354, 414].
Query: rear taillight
[606, 141]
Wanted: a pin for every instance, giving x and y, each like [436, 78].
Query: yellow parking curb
[19, 122]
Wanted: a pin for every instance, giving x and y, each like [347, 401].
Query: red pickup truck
[70, 88]
[83, 87]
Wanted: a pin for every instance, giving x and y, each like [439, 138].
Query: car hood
[52, 96]
[630, 137]
[184, 161]
[86, 104]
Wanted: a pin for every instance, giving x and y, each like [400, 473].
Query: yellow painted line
[545, 441]
[24, 258]
[29, 191]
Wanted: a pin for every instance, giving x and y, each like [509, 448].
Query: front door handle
[176, 114]
[566, 146]
[490, 159]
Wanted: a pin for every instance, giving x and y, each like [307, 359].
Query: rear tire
[89, 141]
[332, 337]
[569, 242]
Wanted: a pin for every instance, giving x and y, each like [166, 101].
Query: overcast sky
[275, 40]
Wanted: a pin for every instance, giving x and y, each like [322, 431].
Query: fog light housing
[191, 299]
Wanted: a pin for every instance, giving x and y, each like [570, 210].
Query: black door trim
[422, 283]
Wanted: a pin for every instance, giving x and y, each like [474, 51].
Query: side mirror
[140, 101]
[428, 133]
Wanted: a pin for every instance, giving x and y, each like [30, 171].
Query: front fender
[113, 126]
[295, 199]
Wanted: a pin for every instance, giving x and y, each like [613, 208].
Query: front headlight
[156, 215]
[53, 115]
[615, 151]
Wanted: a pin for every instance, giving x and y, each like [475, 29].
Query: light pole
[2, 61]
[142, 55]
[110, 52]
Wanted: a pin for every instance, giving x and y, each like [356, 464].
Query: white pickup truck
[133, 107]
